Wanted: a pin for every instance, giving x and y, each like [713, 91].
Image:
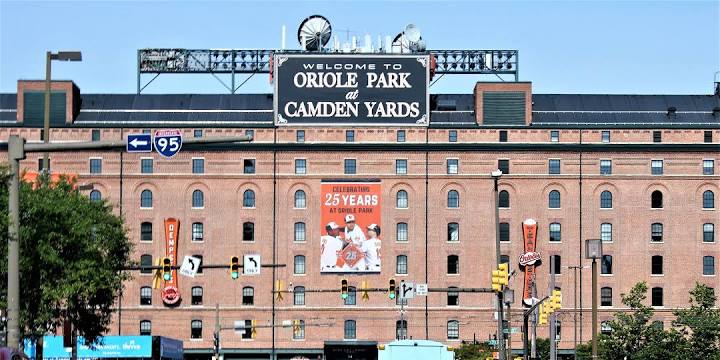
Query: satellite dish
[400, 43]
[412, 33]
[314, 32]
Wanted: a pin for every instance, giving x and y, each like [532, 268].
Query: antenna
[314, 33]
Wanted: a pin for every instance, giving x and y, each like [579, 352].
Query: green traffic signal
[167, 276]
[391, 295]
[344, 296]
[234, 275]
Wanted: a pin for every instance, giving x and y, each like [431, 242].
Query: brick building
[638, 171]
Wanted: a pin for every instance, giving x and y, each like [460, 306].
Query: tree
[72, 251]
[633, 334]
[473, 351]
[700, 324]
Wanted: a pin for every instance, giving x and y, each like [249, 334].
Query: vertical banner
[170, 292]
[529, 259]
[350, 234]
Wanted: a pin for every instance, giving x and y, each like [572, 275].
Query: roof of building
[447, 110]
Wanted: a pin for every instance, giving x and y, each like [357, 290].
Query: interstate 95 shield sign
[350, 233]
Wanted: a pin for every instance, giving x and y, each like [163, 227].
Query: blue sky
[639, 47]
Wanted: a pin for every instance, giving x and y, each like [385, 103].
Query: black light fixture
[67, 56]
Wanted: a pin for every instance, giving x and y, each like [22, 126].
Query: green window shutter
[504, 108]
[34, 108]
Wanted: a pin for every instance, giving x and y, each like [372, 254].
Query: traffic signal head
[557, 299]
[391, 289]
[500, 277]
[543, 319]
[167, 269]
[344, 289]
[234, 267]
[253, 332]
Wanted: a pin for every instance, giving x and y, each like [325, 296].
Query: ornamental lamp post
[593, 250]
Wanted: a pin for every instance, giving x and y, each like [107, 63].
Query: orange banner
[350, 234]
[530, 259]
[170, 292]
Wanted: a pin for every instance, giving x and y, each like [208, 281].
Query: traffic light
[253, 332]
[500, 277]
[234, 267]
[344, 288]
[556, 300]
[296, 325]
[364, 287]
[166, 269]
[391, 289]
[543, 318]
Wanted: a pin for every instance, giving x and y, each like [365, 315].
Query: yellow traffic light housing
[234, 267]
[557, 299]
[391, 289]
[364, 287]
[253, 332]
[166, 269]
[344, 288]
[500, 277]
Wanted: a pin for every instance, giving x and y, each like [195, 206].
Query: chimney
[503, 103]
[64, 102]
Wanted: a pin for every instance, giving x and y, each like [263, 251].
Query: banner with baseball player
[350, 237]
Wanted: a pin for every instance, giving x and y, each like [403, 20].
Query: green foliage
[700, 324]
[696, 332]
[72, 251]
[470, 351]
[542, 347]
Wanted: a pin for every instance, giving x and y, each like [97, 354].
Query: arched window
[709, 232]
[453, 199]
[606, 296]
[146, 199]
[300, 202]
[453, 231]
[299, 296]
[401, 329]
[401, 233]
[708, 200]
[401, 266]
[300, 231]
[145, 328]
[555, 232]
[656, 199]
[656, 265]
[453, 264]
[350, 327]
[145, 295]
[198, 199]
[656, 232]
[606, 200]
[146, 261]
[249, 199]
[605, 328]
[248, 231]
[146, 231]
[554, 199]
[248, 295]
[299, 331]
[708, 265]
[504, 199]
[401, 199]
[196, 295]
[196, 329]
[606, 265]
[453, 330]
[95, 195]
[453, 297]
[299, 263]
[351, 298]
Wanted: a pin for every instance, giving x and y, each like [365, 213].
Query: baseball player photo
[330, 246]
[353, 233]
[371, 248]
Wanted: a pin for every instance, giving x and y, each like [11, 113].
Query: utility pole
[499, 306]
[16, 152]
[553, 316]
[526, 327]
[216, 334]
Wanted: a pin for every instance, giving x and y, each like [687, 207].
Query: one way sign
[139, 143]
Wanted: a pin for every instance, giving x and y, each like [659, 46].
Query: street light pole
[501, 334]
[593, 250]
[49, 57]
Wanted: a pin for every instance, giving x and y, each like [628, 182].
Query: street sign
[421, 289]
[139, 143]
[251, 265]
[167, 142]
[407, 290]
[190, 266]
